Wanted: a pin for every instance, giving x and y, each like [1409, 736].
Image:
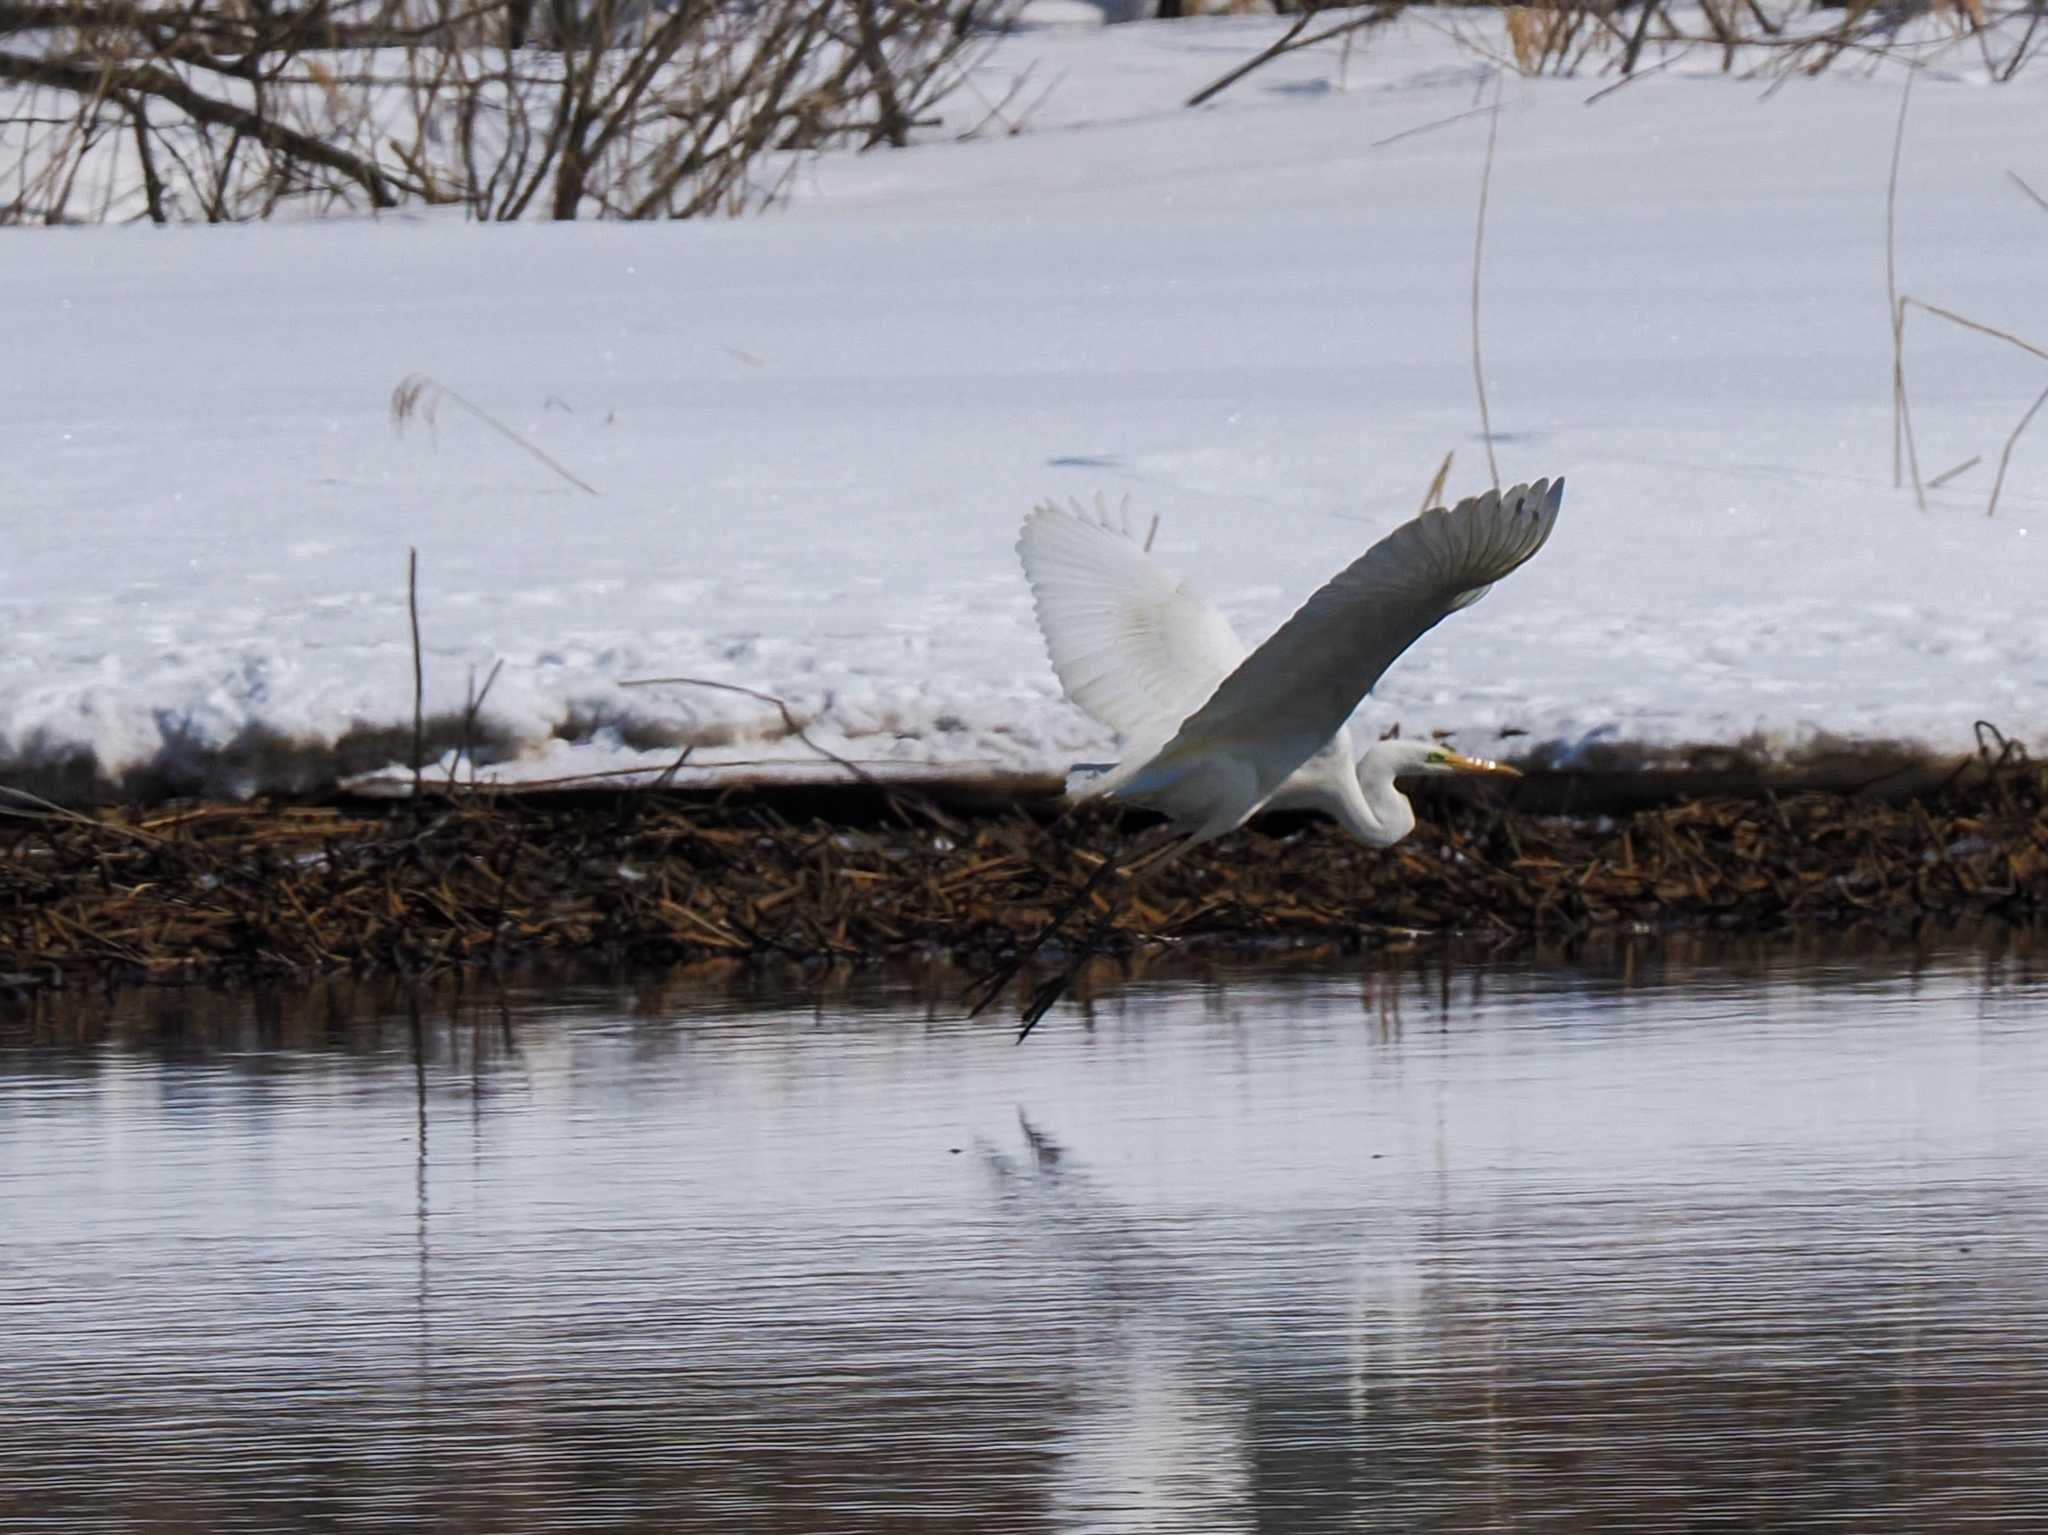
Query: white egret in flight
[1213, 735]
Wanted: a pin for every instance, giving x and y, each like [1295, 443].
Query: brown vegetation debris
[241, 892]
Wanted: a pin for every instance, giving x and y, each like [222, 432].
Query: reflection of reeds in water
[1831, 1332]
[246, 891]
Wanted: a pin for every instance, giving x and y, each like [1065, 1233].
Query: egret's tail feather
[1085, 780]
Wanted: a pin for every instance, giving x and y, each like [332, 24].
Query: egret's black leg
[1153, 852]
[1049, 992]
[1150, 861]
[991, 986]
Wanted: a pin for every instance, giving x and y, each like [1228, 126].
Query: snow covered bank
[815, 432]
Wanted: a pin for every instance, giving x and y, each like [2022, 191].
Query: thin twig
[789, 719]
[472, 707]
[2010, 442]
[1031, 111]
[668, 774]
[1641, 74]
[1422, 128]
[998, 110]
[46, 810]
[994, 114]
[2020, 182]
[1291, 40]
[420, 394]
[1283, 45]
[1478, 248]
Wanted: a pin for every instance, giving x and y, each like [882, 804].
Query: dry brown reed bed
[238, 893]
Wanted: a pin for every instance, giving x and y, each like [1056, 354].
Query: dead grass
[237, 893]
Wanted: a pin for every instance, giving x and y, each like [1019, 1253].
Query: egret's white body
[1213, 734]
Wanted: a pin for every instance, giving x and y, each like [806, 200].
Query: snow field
[816, 432]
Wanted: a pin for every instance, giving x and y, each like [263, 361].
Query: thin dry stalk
[1434, 496]
[419, 686]
[2011, 442]
[419, 395]
[1630, 76]
[1904, 449]
[1949, 474]
[1420, 129]
[999, 111]
[41, 809]
[1909, 302]
[1478, 251]
[2038, 200]
[472, 711]
[1964, 321]
[789, 719]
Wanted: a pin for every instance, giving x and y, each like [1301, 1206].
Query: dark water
[1650, 1242]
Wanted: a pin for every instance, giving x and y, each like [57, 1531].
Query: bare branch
[150, 80]
[1292, 40]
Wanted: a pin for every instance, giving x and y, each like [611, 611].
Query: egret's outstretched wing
[1289, 696]
[1131, 644]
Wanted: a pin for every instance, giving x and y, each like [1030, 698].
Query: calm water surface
[1650, 1242]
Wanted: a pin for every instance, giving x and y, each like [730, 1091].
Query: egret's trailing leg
[992, 985]
[1049, 992]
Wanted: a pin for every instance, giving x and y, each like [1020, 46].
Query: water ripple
[1667, 1246]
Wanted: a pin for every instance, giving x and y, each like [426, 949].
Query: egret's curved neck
[1382, 815]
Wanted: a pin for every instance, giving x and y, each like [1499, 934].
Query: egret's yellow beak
[1460, 763]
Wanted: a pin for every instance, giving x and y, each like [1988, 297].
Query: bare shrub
[1758, 38]
[1774, 40]
[115, 109]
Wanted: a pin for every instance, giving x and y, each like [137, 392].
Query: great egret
[1213, 735]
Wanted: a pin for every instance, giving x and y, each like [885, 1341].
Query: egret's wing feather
[1292, 693]
[1131, 644]
[1466, 599]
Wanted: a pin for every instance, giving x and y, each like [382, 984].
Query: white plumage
[1133, 647]
[1211, 734]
